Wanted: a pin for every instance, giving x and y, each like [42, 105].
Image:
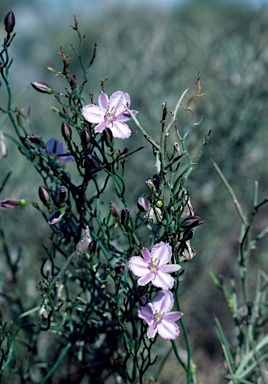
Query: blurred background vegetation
[153, 50]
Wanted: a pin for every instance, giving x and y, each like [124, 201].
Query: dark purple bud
[125, 151]
[124, 216]
[143, 204]
[114, 209]
[120, 267]
[190, 222]
[66, 131]
[188, 234]
[42, 87]
[93, 246]
[35, 139]
[108, 137]
[62, 195]
[9, 22]
[85, 137]
[44, 195]
[12, 203]
[55, 217]
[92, 161]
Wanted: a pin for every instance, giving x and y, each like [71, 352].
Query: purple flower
[159, 318]
[154, 266]
[111, 113]
[55, 148]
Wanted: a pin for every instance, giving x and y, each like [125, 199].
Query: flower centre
[110, 113]
[154, 265]
[158, 316]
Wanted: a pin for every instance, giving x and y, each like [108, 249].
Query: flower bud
[9, 22]
[66, 131]
[124, 216]
[188, 234]
[190, 222]
[42, 87]
[35, 139]
[62, 195]
[55, 217]
[108, 137]
[3, 146]
[114, 209]
[93, 246]
[44, 195]
[92, 161]
[12, 203]
[85, 137]
[143, 204]
[120, 267]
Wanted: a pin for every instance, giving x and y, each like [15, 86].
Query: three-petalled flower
[110, 113]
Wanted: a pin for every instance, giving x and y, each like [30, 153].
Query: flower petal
[168, 330]
[119, 130]
[64, 158]
[152, 331]
[173, 316]
[146, 279]
[119, 101]
[125, 116]
[168, 268]
[146, 313]
[101, 126]
[146, 254]
[93, 114]
[162, 251]
[163, 301]
[138, 266]
[103, 100]
[163, 280]
[55, 147]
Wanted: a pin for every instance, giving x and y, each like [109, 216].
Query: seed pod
[9, 22]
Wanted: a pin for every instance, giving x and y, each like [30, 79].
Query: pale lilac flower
[110, 113]
[159, 318]
[154, 267]
[56, 148]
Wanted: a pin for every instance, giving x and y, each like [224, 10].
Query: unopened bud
[108, 137]
[12, 203]
[190, 222]
[66, 131]
[92, 161]
[42, 87]
[44, 195]
[143, 204]
[9, 22]
[188, 234]
[62, 195]
[93, 246]
[85, 137]
[120, 267]
[124, 216]
[114, 209]
[55, 217]
[35, 139]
